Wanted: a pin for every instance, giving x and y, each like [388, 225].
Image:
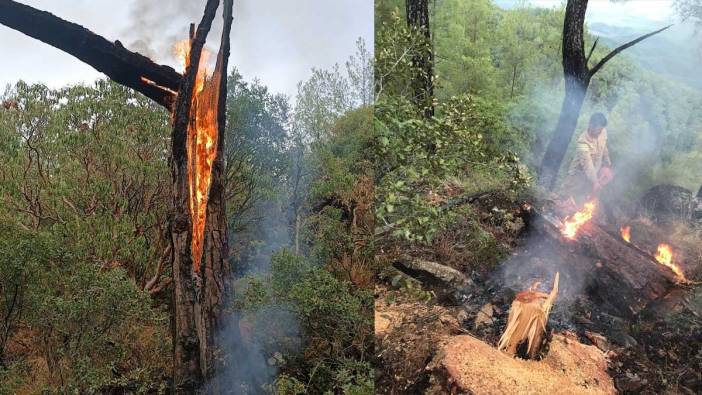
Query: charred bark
[577, 77]
[417, 12]
[198, 298]
[118, 63]
[624, 278]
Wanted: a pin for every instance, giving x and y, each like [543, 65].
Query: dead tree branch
[128, 68]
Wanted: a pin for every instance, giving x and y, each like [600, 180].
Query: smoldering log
[128, 68]
[623, 277]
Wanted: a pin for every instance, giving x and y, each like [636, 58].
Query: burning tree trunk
[622, 277]
[527, 320]
[577, 76]
[418, 20]
[198, 222]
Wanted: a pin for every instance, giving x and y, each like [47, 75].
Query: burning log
[527, 320]
[623, 277]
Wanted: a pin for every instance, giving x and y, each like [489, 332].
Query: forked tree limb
[594, 45]
[112, 59]
[622, 47]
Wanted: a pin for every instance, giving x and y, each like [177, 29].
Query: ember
[664, 256]
[572, 224]
[201, 145]
[626, 233]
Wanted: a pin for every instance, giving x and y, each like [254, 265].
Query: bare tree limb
[128, 68]
[591, 50]
[609, 56]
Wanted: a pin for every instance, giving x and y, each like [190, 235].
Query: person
[590, 168]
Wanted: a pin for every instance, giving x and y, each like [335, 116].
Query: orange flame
[572, 223]
[664, 256]
[626, 233]
[201, 145]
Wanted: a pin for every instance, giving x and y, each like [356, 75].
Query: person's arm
[606, 162]
[582, 155]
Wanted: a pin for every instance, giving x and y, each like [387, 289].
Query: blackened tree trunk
[198, 296]
[417, 12]
[577, 78]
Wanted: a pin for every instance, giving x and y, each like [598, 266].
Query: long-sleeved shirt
[590, 155]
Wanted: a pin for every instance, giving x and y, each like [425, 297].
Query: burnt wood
[118, 63]
[620, 275]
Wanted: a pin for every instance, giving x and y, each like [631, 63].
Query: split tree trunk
[417, 12]
[198, 297]
[577, 77]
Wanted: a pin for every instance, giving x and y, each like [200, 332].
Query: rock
[437, 273]
[484, 316]
[473, 366]
[623, 339]
[664, 203]
[598, 340]
[629, 382]
[462, 317]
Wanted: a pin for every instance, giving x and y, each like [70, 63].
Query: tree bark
[118, 63]
[623, 278]
[417, 12]
[198, 298]
[577, 78]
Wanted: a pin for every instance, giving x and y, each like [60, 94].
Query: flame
[201, 144]
[626, 233]
[664, 256]
[572, 223]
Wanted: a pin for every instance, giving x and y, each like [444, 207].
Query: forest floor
[435, 337]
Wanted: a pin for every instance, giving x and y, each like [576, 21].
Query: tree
[417, 14]
[199, 284]
[577, 77]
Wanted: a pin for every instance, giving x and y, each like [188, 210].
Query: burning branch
[527, 320]
[118, 63]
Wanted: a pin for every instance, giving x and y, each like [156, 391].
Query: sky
[275, 41]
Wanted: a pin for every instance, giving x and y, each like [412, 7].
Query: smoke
[255, 344]
[154, 27]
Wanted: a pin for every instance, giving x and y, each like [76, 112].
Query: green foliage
[336, 326]
[418, 155]
[84, 200]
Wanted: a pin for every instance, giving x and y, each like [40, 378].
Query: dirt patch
[408, 333]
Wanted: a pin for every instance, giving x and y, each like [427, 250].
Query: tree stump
[527, 320]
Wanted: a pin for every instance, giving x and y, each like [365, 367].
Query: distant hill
[675, 53]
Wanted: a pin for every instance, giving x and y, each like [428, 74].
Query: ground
[431, 339]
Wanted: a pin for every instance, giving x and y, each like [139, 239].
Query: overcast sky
[276, 41]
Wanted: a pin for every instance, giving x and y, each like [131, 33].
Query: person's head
[598, 123]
